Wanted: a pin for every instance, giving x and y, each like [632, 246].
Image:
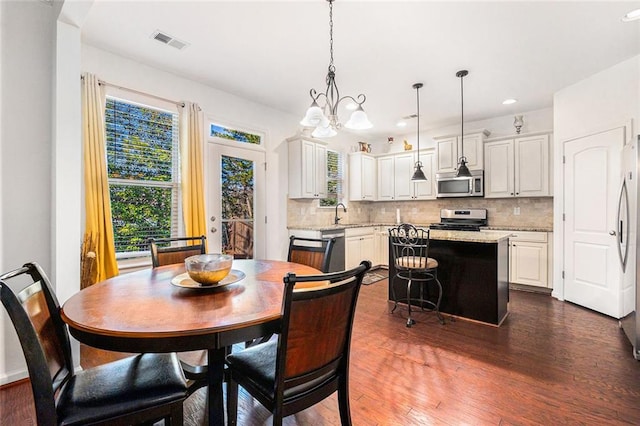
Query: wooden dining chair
[139, 389]
[310, 359]
[311, 252]
[177, 251]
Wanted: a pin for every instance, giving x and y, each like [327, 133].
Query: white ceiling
[274, 52]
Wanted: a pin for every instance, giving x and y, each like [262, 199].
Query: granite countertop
[468, 236]
[422, 225]
[436, 234]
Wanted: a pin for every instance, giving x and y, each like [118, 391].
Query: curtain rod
[105, 83]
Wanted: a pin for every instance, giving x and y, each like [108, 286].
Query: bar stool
[410, 247]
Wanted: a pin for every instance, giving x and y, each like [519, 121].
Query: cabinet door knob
[612, 232]
[213, 230]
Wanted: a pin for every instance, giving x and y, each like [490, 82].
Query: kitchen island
[473, 268]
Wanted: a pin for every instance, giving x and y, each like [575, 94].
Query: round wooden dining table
[144, 311]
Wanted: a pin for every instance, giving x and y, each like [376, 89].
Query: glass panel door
[237, 222]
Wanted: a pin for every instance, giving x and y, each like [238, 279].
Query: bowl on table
[208, 269]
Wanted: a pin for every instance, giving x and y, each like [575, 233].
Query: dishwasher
[337, 254]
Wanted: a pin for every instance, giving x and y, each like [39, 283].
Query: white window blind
[143, 171]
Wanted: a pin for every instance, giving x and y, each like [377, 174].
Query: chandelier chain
[331, 34]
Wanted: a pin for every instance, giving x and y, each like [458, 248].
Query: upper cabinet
[395, 172]
[517, 166]
[307, 168]
[362, 177]
[449, 149]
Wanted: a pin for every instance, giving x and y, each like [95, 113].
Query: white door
[236, 201]
[592, 179]
[385, 179]
[402, 172]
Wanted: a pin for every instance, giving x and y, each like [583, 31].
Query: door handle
[213, 229]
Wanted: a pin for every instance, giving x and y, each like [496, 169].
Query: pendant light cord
[461, 117]
[418, 118]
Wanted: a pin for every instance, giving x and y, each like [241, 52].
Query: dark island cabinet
[474, 277]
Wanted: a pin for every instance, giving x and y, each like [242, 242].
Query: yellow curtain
[98, 226]
[191, 163]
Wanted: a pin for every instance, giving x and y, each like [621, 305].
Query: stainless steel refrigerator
[628, 242]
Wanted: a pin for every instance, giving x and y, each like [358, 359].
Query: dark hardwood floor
[550, 363]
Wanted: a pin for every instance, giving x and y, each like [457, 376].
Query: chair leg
[343, 403]
[393, 294]
[232, 401]
[410, 322]
[440, 317]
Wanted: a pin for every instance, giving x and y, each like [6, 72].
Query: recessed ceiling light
[631, 16]
[509, 101]
[401, 124]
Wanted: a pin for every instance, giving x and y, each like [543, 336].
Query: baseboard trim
[8, 379]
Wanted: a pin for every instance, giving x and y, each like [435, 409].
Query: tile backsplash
[534, 212]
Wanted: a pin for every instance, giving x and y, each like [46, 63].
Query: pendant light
[418, 174]
[463, 170]
[316, 116]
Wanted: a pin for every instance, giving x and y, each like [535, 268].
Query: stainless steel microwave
[448, 185]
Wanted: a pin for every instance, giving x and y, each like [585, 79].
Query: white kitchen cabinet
[517, 167]
[395, 172]
[307, 168]
[529, 258]
[362, 177]
[449, 150]
[359, 246]
[381, 235]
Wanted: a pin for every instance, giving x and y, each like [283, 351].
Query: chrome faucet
[336, 219]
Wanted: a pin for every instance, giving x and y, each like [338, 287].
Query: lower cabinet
[381, 234]
[529, 258]
[359, 246]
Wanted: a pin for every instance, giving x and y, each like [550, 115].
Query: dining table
[161, 310]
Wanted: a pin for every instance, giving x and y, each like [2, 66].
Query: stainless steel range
[461, 219]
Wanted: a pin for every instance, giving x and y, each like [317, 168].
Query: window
[234, 135]
[143, 172]
[334, 179]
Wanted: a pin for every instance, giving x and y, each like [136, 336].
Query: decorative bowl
[208, 269]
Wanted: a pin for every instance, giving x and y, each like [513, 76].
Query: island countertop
[435, 234]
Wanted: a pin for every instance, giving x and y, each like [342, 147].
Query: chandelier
[325, 119]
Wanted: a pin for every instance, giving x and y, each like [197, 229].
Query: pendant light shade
[418, 174]
[463, 170]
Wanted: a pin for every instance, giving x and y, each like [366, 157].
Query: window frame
[340, 180]
[174, 184]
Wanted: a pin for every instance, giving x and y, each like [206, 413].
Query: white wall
[607, 99]
[26, 34]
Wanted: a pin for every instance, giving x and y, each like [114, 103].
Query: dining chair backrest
[311, 252]
[317, 324]
[34, 312]
[169, 251]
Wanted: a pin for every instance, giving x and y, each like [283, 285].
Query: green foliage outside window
[142, 155]
[234, 135]
[334, 180]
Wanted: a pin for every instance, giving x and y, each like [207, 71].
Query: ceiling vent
[165, 38]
